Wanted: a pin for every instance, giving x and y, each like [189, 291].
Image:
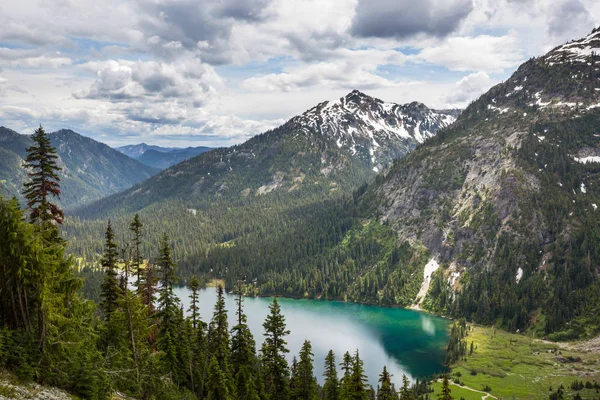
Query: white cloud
[347, 69]
[468, 89]
[187, 79]
[478, 53]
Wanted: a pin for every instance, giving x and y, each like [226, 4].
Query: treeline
[138, 339]
[319, 249]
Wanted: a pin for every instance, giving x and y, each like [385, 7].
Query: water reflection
[407, 342]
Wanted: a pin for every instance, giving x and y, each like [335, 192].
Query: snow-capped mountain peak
[374, 129]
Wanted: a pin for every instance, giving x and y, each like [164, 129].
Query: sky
[216, 72]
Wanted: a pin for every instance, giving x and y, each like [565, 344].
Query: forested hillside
[90, 170]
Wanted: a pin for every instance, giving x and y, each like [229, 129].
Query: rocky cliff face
[510, 189]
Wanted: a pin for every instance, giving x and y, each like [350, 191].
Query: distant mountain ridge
[161, 157]
[90, 169]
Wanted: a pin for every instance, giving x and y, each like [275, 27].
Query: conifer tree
[218, 332]
[148, 287]
[243, 356]
[137, 259]
[217, 385]
[273, 354]
[306, 387]
[346, 365]
[110, 289]
[45, 183]
[386, 391]
[358, 387]
[445, 393]
[168, 307]
[194, 287]
[331, 387]
[405, 392]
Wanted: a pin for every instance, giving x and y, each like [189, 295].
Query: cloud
[479, 53]
[406, 18]
[187, 79]
[348, 69]
[468, 89]
[570, 16]
[20, 58]
[203, 26]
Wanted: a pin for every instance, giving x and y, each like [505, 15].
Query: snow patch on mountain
[375, 130]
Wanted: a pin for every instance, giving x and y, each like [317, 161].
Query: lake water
[406, 341]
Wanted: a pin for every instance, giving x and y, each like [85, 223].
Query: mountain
[505, 200]
[90, 169]
[137, 150]
[161, 157]
[334, 146]
[165, 159]
[373, 130]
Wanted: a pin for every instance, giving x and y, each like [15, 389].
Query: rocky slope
[90, 170]
[505, 199]
[373, 130]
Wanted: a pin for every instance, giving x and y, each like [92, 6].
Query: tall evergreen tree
[331, 387]
[168, 307]
[406, 392]
[217, 385]
[273, 354]
[445, 393]
[358, 387]
[137, 260]
[110, 289]
[194, 287]
[386, 391]
[243, 356]
[218, 332]
[45, 183]
[306, 387]
[346, 382]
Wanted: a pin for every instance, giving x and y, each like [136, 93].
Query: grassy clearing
[520, 367]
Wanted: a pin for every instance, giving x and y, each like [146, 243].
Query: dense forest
[138, 340]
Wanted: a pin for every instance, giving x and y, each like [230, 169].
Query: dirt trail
[485, 396]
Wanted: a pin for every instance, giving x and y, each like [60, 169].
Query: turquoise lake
[406, 341]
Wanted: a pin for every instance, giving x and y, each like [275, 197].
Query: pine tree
[306, 387]
[168, 307]
[331, 387]
[194, 287]
[110, 289]
[386, 391]
[45, 183]
[218, 332]
[406, 393]
[358, 388]
[217, 385]
[137, 259]
[273, 354]
[243, 356]
[346, 365]
[445, 393]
